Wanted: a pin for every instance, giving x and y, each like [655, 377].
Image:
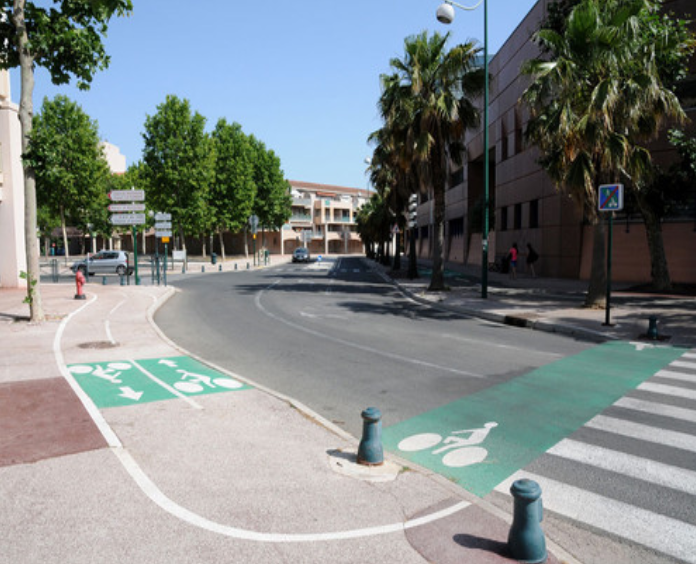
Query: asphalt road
[337, 337]
[608, 431]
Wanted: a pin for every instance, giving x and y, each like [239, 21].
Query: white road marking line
[655, 531]
[166, 386]
[173, 508]
[104, 428]
[658, 409]
[668, 390]
[689, 355]
[682, 364]
[107, 328]
[627, 465]
[499, 346]
[643, 432]
[676, 375]
[118, 305]
[155, 495]
[400, 358]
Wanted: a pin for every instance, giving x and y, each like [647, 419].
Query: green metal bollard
[652, 328]
[235, 266]
[202, 268]
[526, 541]
[103, 280]
[220, 268]
[370, 452]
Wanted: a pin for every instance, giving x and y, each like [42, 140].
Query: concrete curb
[545, 325]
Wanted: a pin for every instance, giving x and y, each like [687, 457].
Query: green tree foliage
[373, 221]
[427, 104]
[233, 191]
[178, 166]
[273, 201]
[65, 39]
[597, 97]
[69, 165]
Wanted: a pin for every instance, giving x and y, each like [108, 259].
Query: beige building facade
[12, 248]
[528, 207]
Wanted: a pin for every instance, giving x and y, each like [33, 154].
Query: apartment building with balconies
[323, 219]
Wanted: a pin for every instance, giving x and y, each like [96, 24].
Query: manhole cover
[98, 345]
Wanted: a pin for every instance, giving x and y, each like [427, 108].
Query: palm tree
[596, 95]
[427, 104]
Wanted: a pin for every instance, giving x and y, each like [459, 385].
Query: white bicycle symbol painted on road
[462, 451]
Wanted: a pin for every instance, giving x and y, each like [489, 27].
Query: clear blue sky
[302, 76]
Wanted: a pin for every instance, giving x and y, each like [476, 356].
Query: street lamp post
[445, 14]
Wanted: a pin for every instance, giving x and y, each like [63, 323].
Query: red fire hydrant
[79, 283]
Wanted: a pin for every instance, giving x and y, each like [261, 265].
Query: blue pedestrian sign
[611, 197]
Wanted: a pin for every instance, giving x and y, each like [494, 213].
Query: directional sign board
[163, 225]
[254, 223]
[159, 216]
[126, 207]
[127, 195]
[131, 382]
[127, 219]
[163, 233]
[611, 197]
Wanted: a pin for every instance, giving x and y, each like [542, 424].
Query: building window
[424, 232]
[456, 227]
[534, 214]
[518, 216]
[456, 178]
[503, 219]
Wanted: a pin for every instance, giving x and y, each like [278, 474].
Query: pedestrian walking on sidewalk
[532, 257]
[513, 260]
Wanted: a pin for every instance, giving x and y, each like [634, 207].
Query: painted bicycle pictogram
[462, 450]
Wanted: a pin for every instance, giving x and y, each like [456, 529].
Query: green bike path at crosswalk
[525, 416]
[132, 382]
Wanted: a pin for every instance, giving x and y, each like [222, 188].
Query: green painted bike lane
[132, 382]
[518, 421]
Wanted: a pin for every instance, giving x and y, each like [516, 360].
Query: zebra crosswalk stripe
[643, 432]
[683, 364]
[665, 534]
[657, 409]
[676, 375]
[668, 390]
[627, 464]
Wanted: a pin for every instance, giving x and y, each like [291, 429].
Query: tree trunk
[222, 244]
[246, 243]
[437, 281]
[26, 115]
[64, 231]
[203, 246]
[597, 289]
[659, 270]
[397, 252]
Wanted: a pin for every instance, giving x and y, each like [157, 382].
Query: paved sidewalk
[554, 305]
[241, 476]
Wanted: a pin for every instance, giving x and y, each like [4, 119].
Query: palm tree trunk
[659, 270]
[597, 289]
[437, 281]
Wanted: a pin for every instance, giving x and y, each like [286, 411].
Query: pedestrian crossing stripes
[630, 471]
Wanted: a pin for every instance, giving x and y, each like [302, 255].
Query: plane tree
[178, 166]
[65, 38]
[69, 166]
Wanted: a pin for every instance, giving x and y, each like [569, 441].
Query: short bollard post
[123, 279]
[526, 539]
[652, 328]
[370, 451]
[103, 280]
[202, 268]
[220, 268]
[247, 266]
[183, 269]
[235, 266]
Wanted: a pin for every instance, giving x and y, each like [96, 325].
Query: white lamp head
[445, 13]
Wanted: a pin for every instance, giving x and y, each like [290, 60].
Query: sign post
[254, 224]
[611, 199]
[133, 219]
[163, 231]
